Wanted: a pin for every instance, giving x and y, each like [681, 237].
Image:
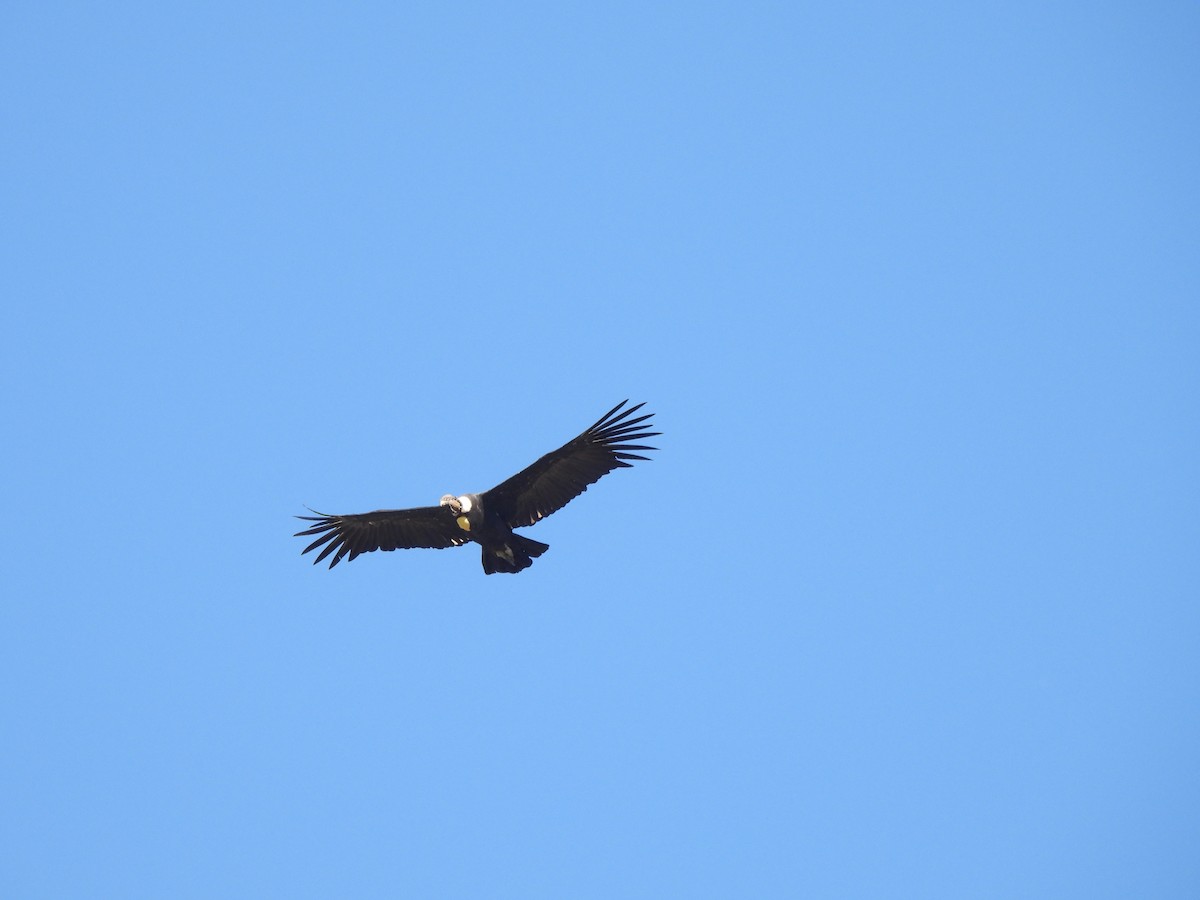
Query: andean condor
[489, 518]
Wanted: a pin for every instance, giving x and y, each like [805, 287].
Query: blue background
[906, 605]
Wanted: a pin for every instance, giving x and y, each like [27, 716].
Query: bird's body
[503, 551]
[488, 519]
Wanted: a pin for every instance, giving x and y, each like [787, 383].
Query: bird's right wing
[384, 529]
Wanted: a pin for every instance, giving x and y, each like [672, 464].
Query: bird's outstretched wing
[559, 477]
[384, 529]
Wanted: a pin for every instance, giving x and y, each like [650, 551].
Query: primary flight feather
[489, 518]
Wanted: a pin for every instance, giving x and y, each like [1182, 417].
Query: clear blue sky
[908, 603]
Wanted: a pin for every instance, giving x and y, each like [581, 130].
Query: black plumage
[489, 518]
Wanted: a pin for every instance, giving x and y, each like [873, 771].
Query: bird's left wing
[384, 529]
[559, 477]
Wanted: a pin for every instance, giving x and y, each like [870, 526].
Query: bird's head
[461, 508]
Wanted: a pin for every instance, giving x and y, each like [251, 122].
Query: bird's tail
[518, 553]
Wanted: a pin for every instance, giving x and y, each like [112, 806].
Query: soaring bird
[489, 518]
